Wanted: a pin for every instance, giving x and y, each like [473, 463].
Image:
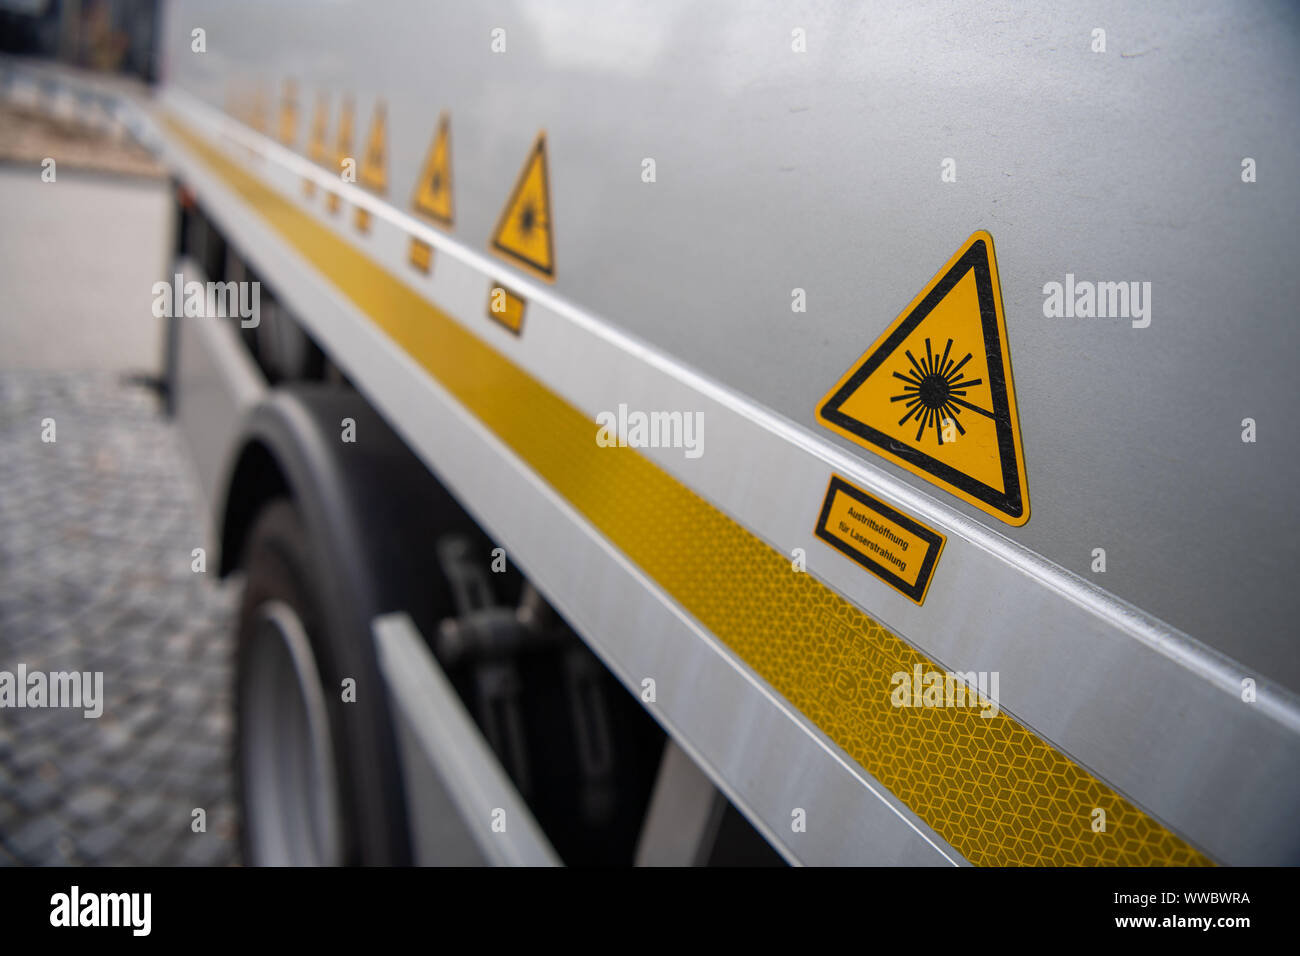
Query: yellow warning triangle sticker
[342, 150]
[374, 164]
[289, 114]
[523, 233]
[316, 149]
[433, 191]
[261, 110]
[934, 393]
[343, 143]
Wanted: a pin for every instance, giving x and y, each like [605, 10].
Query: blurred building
[108, 35]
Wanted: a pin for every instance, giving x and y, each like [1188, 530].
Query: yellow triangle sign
[433, 191]
[343, 142]
[316, 149]
[934, 393]
[523, 233]
[316, 142]
[260, 109]
[289, 114]
[374, 164]
[342, 150]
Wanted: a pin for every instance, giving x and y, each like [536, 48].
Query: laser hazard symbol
[523, 234]
[935, 395]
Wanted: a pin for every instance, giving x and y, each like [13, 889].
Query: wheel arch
[372, 507]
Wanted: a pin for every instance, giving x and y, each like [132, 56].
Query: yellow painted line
[988, 785]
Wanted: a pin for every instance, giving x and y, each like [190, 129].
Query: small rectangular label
[362, 219]
[506, 307]
[899, 550]
[421, 255]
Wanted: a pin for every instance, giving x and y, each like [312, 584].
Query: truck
[674, 434]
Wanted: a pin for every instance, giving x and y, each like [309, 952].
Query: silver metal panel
[821, 170]
[438, 835]
[681, 822]
[1058, 642]
[448, 742]
[217, 383]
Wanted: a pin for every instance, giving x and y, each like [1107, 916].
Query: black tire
[282, 566]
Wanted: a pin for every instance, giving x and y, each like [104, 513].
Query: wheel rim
[290, 784]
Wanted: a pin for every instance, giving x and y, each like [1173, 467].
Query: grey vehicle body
[820, 169]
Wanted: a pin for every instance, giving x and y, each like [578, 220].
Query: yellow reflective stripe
[994, 790]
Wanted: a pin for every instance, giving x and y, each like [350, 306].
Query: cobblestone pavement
[96, 534]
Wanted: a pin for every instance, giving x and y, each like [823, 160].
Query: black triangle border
[1010, 502]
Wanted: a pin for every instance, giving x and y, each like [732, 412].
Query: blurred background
[97, 528]
[107, 35]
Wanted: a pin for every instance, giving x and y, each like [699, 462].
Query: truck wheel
[316, 778]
